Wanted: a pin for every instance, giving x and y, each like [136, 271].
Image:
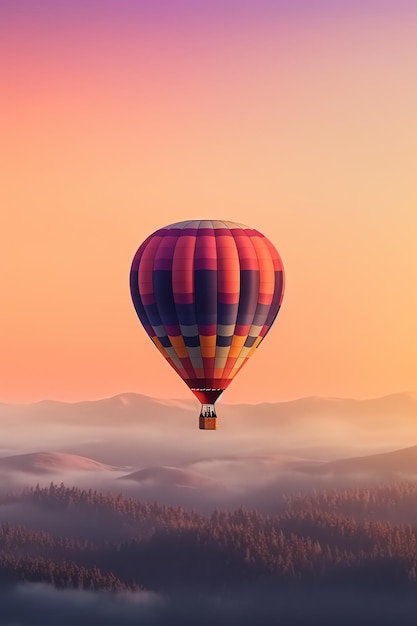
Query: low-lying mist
[39, 604]
[153, 449]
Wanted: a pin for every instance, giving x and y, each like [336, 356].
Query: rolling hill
[171, 476]
[402, 461]
[51, 462]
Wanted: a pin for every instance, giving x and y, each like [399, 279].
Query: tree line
[92, 540]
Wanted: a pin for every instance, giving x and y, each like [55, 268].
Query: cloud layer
[38, 604]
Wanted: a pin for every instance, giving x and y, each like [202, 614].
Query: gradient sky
[295, 117]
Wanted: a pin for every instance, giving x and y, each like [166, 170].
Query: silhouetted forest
[90, 540]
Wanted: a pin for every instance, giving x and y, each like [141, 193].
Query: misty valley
[299, 509]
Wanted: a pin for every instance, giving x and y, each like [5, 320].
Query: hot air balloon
[207, 293]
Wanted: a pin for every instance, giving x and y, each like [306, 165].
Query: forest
[85, 539]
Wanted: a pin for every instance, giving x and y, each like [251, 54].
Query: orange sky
[300, 124]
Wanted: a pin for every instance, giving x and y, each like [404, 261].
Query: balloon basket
[208, 423]
[208, 417]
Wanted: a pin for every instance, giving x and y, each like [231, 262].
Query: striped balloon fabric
[207, 293]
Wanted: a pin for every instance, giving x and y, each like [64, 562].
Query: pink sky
[121, 117]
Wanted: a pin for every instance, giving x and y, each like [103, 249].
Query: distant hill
[170, 476]
[398, 462]
[49, 462]
[140, 431]
[130, 409]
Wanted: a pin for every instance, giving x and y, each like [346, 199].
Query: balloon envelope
[207, 293]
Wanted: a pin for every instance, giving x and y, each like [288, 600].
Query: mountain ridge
[132, 408]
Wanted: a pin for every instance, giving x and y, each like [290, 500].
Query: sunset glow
[121, 117]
